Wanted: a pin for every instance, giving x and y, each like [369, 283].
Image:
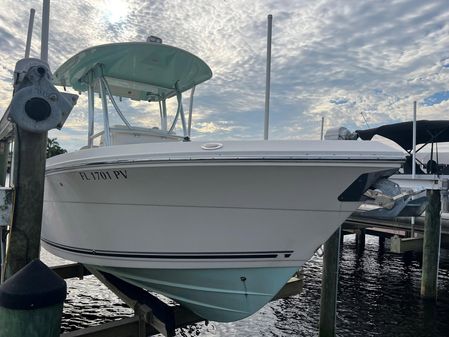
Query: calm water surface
[378, 296]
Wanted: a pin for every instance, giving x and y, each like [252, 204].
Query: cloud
[335, 59]
[436, 98]
[339, 101]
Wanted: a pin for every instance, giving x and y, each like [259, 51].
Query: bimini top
[402, 133]
[137, 70]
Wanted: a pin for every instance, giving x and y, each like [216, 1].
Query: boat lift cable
[366, 122]
[111, 98]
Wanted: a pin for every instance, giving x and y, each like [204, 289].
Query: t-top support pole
[91, 114]
[104, 102]
[30, 33]
[45, 30]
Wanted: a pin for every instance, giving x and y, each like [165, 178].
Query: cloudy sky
[331, 58]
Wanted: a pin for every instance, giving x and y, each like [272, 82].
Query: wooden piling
[431, 246]
[24, 237]
[342, 239]
[381, 243]
[31, 298]
[444, 195]
[360, 240]
[329, 284]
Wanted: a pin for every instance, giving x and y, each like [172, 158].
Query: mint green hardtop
[137, 70]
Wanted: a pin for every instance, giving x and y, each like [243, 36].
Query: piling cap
[32, 287]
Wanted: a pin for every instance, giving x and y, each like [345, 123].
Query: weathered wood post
[25, 232]
[360, 240]
[381, 243]
[328, 307]
[36, 107]
[431, 246]
[444, 195]
[31, 300]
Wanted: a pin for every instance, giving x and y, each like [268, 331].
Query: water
[378, 295]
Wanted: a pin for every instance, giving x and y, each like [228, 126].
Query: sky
[347, 61]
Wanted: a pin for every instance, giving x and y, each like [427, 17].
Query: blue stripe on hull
[222, 295]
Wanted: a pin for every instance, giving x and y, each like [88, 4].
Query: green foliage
[53, 148]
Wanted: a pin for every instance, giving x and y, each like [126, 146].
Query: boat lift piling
[329, 285]
[431, 247]
[29, 156]
[36, 107]
[444, 195]
[381, 244]
[360, 240]
[24, 235]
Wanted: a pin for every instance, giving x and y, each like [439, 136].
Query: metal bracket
[160, 316]
[6, 205]
[37, 106]
[6, 209]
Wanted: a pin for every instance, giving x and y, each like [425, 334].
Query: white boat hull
[228, 294]
[194, 229]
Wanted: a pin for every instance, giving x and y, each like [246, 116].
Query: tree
[53, 148]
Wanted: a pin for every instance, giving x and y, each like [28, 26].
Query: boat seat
[408, 166]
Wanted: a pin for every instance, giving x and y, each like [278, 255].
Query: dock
[398, 230]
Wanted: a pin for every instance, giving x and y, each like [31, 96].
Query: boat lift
[152, 315]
